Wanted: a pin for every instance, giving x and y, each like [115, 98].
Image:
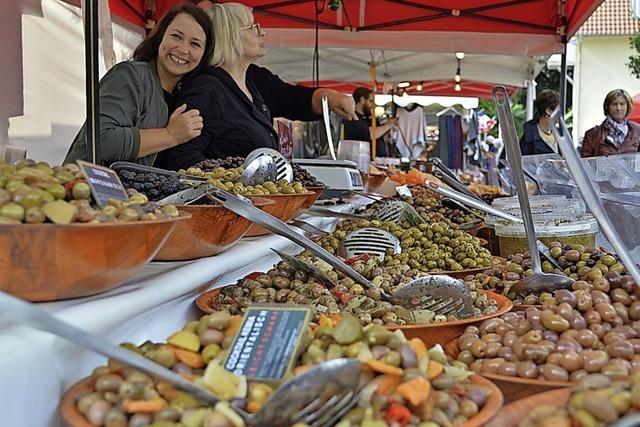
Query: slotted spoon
[538, 281]
[284, 169]
[440, 294]
[318, 397]
[259, 170]
[370, 241]
[410, 299]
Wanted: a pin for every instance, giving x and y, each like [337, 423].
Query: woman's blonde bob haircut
[227, 20]
[611, 96]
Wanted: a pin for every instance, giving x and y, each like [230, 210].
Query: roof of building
[612, 18]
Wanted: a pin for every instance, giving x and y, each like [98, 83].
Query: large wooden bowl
[212, 229]
[74, 418]
[512, 414]
[286, 207]
[443, 332]
[513, 388]
[47, 262]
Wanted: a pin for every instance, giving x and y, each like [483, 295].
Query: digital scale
[339, 176]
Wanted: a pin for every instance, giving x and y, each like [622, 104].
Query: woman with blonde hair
[616, 134]
[238, 99]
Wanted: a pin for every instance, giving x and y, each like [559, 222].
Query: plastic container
[574, 230]
[560, 209]
[356, 151]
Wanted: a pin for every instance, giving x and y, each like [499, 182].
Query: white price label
[404, 191]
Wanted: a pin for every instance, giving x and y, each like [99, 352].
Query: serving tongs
[414, 296]
[385, 210]
[538, 281]
[318, 397]
[450, 178]
[589, 194]
[474, 203]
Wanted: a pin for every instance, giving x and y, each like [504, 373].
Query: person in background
[537, 137]
[239, 99]
[134, 116]
[361, 129]
[616, 134]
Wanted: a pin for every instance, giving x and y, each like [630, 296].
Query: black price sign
[266, 345]
[104, 182]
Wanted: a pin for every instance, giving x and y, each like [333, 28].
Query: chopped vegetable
[383, 368]
[415, 391]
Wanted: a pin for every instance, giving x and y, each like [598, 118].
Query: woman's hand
[184, 125]
[342, 105]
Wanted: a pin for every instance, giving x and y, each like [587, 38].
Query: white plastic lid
[512, 202]
[561, 209]
[587, 224]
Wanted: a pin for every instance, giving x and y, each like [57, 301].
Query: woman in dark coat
[537, 137]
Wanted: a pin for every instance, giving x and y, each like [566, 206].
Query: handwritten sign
[285, 135]
[104, 182]
[267, 343]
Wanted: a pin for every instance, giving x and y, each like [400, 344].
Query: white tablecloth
[36, 367]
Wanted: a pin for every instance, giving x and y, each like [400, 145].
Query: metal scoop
[442, 295]
[385, 210]
[538, 281]
[283, 168]
[318, 397]
[259, 170]
[370, 241]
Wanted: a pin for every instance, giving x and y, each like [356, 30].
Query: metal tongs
[589, 194]
[450, 178]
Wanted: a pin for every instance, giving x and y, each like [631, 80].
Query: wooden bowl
[512, 414]
[513, 388]
[286, 207]
[212, 229]
[313, 194]
[444, 332]
[474, 230]
[47, 262]
[73, 418]
[372, 182]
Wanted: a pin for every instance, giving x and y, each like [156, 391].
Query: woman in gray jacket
[134, 119]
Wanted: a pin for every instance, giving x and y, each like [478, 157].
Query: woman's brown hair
[546, 99]
[613, 95]
[148, 49]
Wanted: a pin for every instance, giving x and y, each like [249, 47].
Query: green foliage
[518, 110]
[634, 60]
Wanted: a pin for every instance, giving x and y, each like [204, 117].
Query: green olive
[81, 190]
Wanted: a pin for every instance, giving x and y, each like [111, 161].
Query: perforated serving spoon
[283, 168]
[385, 210]
[318, 397]
[370, 241]
[538, 281]
[259, 170]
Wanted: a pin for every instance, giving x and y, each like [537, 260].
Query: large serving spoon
[283, 168]
[318, 397]
[589, 194]
[538, 281]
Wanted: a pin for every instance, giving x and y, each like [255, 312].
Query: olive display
[425, 390]
[229, 179]
[154, 186]
[577, 262]
[37, 193]
[595, 401]
[430, 247]
[594, 328]
[299, 174]
[286, 284]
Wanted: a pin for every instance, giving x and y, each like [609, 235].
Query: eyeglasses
[252, 26]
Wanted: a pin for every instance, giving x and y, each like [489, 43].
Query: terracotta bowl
[47, 262]
[286, 207]
[74, 418]
[443, 332]
[313, 194]
[372, 182]
[512, 414]
[212, 229]
[474, 230]
[513, 388]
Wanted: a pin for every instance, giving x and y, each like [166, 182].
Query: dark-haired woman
[134, 118]
[616, 134]
[537, 137]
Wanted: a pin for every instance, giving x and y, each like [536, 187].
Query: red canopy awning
[635, 113]
[537, 25]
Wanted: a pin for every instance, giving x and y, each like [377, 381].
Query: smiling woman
[134, 117]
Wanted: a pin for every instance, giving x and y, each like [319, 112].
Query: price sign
[267, 343]
[285, 134]
[403, 191]
[104, 182]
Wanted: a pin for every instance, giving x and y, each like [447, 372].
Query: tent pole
[563, 79]
[531, 96]
[372, 75]
[91, 74]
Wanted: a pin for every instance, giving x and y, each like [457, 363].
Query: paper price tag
[404, 191]
[104, 182]
[268, 341]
